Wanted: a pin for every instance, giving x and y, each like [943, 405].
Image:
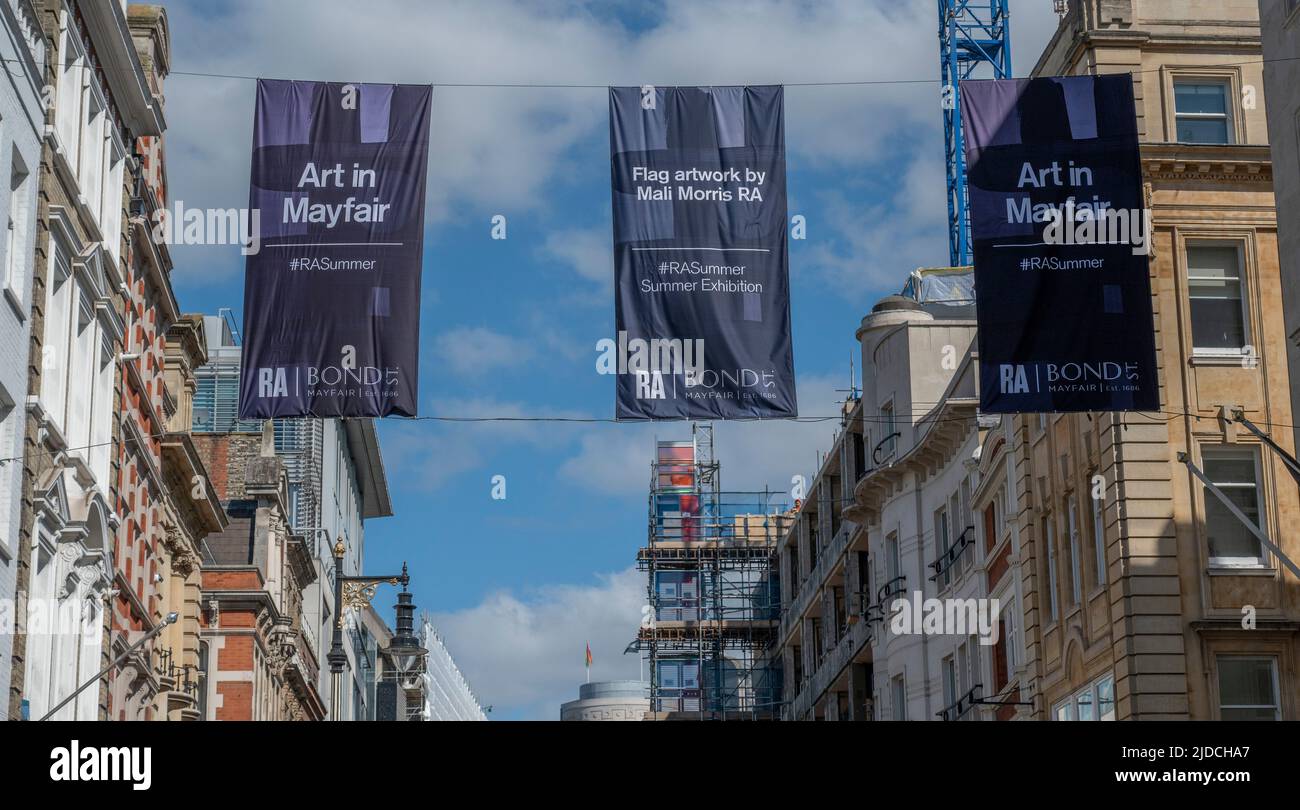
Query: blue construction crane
[971, 33]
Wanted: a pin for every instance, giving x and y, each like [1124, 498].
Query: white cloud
[524, 653]
[588, 251]
[876, 245]
[508, 149]
[475, 350]
[425, 455]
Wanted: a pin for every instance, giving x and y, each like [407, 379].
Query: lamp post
[404, 648]
[349, 592]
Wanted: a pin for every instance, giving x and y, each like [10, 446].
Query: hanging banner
[1061, 239]
[701, 274]
[332, 283]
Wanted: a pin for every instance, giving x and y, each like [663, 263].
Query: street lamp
[404, 648]
[349, 592]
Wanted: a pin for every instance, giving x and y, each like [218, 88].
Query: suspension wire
[521, 85]
[1170, 416]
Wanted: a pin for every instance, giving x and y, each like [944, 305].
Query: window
[1235, 472]
[1248, 688]
[949, 684]
[1099, 540]
[859, 457]
[679, 684]
[15, 259]
[1216, 302]
[678, 596]
[966, 677]
[898, 690]
[203, 680]
[1106, 698]
[957, 511]
[1096, 701]
[973, 675]
[889, 427]
[1201, 111]
[10, 468]
[891, 552]
[1076, 576]
[941, 545]
[1009, 635]
[1050, 541]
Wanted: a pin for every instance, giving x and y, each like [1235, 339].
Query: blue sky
[509, 328]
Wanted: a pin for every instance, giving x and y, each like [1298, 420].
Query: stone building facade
[69, 536]
[606, 701]
[1144, 597]
[166, 501]
[1280, 32]
[24, 51]
[1126, 589]
[888, 518]
[257, 664]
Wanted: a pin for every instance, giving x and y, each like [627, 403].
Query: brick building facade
[258, 663]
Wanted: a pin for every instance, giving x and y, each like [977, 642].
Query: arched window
[203, 680]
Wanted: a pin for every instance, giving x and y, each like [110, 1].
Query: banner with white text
[1061, 239]
[701, 274]
[332, 290]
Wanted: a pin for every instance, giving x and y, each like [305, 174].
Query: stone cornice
[1247, 163]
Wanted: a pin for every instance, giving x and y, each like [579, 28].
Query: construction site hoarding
[1061, 239]
[701, 272]
[332, 292]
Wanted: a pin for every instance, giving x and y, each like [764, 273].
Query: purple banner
[332, 284]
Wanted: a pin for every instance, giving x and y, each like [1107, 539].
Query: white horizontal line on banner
[335, 244]
[721, 250]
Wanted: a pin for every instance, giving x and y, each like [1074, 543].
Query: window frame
[1228, 116]
[1275, 681]
[942, 543]
[888, 446]
[898, 697]
[1076, 564]
[1243, 287]
[1049, 540]
[1209, 451]
[1069, 704]
[1101, 575]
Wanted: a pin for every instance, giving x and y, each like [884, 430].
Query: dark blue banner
[701, 274]
[332, 285]
[1061, 239]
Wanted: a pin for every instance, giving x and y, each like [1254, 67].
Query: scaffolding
[712, 588]
[973, 35]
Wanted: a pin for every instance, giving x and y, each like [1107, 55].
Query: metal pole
[170, 619]
[1237, 513]
[361, 587]
[1292, 465]
[337, 658]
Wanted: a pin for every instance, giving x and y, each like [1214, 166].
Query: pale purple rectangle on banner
[376, 102]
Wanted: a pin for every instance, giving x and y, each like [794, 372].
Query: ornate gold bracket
[359, 592]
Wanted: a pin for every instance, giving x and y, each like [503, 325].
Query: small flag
[588, 655]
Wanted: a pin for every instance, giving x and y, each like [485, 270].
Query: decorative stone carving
[186, 562]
